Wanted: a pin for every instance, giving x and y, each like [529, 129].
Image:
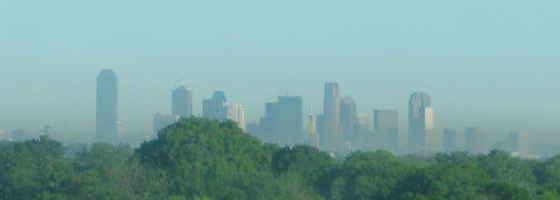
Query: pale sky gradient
[490, 64]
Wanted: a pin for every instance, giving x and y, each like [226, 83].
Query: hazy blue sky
[492, 64]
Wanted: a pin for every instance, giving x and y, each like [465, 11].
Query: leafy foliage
[203, 159]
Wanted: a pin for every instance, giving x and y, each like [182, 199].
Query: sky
[490, 64]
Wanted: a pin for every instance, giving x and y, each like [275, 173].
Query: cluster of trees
[198, 158]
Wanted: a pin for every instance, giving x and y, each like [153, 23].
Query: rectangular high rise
[420, 119]
[518, 142]
[474, 140]
[449, 141]
[348, 119]
[283, 121]
[331, 114]
[216, 107]
[236, 114]
[162, 121]
[181, 101]
[106, 129]
[386, 125]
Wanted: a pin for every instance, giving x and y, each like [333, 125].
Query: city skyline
[492, 65]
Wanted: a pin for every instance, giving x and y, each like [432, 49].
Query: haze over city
[492, 65]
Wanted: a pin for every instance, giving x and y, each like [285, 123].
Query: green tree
[444, 181]
[372, 175]
[213, 159]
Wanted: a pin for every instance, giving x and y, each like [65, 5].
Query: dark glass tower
[181, 101]
[106, 107]
[216, 107]
[331, 114]
[420, 119]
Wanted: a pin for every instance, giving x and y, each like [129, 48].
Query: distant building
[236, 114]
[475, 142]
[162, 121]
[348, 119]
[311, 136]
[21, 135]
[4, 135]
[216, 107]
[420, 119]
[48, 130]
[386, 125]
[283, 121]
[434, 140]
[106, 130]
[331, 114]
[181, 101]
[518, 141]
[449, 141]
[253, 128]
[362, 134]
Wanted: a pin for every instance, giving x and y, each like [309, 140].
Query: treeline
[201, 159]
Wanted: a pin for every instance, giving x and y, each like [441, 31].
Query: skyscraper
[289, 123]
[518, 142]
[216, 107]
[236, 114]
[474, 140]
[162, 121]
[420, 119]
[347, 119]
[181, 101]
[311, 131]
[283, 121]
[449, 141]
[331, 115]
[386, 125]
[106, 129]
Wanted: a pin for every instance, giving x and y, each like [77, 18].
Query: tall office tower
[289, 124]
[518, 142]
[320, 129]
[347, 119]
[420, 119]
[386, 125]
[216, 107]
[4, 135]
[254, 129]
[362, 134]
[310, 133]
[21, 135]
[474, 140]
[162, 121]
[283, 121]
[181, 101]
[236, 114]
[312, 121]
[331, 113]
[433, 140]
[48, 130]
[449, 141]
[106, 129]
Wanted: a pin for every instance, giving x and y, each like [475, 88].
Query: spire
[182, 81]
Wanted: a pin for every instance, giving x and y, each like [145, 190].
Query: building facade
[236, 114]
[181, 101]
[475, 142]
[106, 128]
[386, 126]
[331, 115]
[420, 119]
[216, 107]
